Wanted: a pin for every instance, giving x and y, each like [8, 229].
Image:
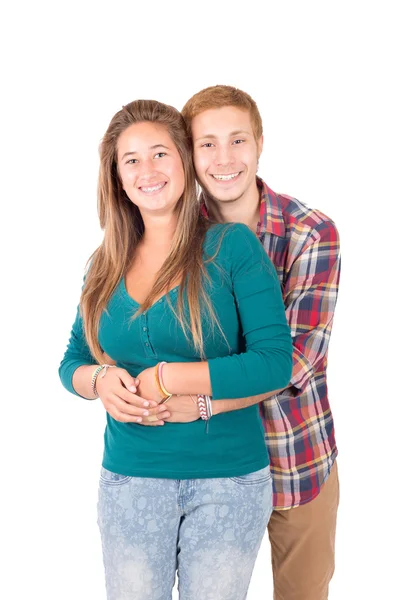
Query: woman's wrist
[81, 381]
[98, 373]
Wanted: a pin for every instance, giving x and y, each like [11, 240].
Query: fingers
[126, 413]
[135, 400]
[118, 394]
[155, 420]
[124, 386]
[121, 411]
[129, 382]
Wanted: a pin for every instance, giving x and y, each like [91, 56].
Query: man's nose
[224, 156]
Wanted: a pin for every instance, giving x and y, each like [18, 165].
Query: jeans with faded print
[207, 530]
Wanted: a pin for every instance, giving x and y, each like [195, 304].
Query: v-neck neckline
[137, 304]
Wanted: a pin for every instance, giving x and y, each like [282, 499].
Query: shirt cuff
[302, 370]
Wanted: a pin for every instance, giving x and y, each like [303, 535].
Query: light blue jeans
[207, 530]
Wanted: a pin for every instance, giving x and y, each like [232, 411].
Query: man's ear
[260, 145]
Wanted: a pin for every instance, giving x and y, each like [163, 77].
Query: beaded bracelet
[96, 374]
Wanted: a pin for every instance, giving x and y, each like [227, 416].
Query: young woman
[189, 310]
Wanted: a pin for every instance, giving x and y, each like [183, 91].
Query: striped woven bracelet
[205, 407]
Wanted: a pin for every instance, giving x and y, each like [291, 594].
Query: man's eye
[160, 154]
[238, 141]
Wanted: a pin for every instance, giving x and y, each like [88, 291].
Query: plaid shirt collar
[271, 217]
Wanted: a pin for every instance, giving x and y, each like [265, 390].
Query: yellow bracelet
[160, 366]
[162, 391]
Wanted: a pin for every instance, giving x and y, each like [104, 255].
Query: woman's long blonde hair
[123, 229]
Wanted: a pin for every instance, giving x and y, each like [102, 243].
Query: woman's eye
[131, 161]
[207, 145]
[160, 154]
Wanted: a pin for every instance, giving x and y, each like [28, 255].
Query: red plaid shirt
[303, 244]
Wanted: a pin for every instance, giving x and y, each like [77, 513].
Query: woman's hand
[117, 391]
[147, 385]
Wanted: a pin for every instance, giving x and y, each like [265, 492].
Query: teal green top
[256, 357]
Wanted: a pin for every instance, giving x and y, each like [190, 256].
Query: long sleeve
[310, 296]
[266, 363]
[76, 355]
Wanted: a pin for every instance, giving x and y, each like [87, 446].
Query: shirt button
[144, 328]
[147, 343]
[160, 300]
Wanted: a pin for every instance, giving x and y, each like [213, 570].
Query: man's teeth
[155, 188]
[225, 177]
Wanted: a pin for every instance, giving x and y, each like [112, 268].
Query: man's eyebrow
[151, 148]
[211, 136]
[239, 131]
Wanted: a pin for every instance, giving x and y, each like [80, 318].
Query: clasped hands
[137, 400]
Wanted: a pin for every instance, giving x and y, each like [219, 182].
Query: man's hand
[179, 409]
[183, 409]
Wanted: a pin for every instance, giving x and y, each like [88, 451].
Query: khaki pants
[303, 545]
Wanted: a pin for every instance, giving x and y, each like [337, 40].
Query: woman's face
[150, 168]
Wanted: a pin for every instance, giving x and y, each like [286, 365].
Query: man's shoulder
[284, 215]
[299, 214]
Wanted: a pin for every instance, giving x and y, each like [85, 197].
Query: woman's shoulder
[230, 237]
[237, 230]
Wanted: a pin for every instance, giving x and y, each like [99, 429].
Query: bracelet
[209, 406]
[158, 376]
[205, 407]
[160, 366]
[93, 381]
[96, 374]
[165, 400]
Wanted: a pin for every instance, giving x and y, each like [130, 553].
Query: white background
[324, 76]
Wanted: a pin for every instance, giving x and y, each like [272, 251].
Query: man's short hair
[219, 96]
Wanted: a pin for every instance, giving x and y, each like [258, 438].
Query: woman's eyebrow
[150, 148]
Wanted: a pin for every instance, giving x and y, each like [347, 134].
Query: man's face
[225, 152]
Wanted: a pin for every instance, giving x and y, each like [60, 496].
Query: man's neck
[245, 209]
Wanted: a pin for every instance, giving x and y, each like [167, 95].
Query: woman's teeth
[154, 188]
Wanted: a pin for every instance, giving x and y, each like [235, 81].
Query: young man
[303, 244]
